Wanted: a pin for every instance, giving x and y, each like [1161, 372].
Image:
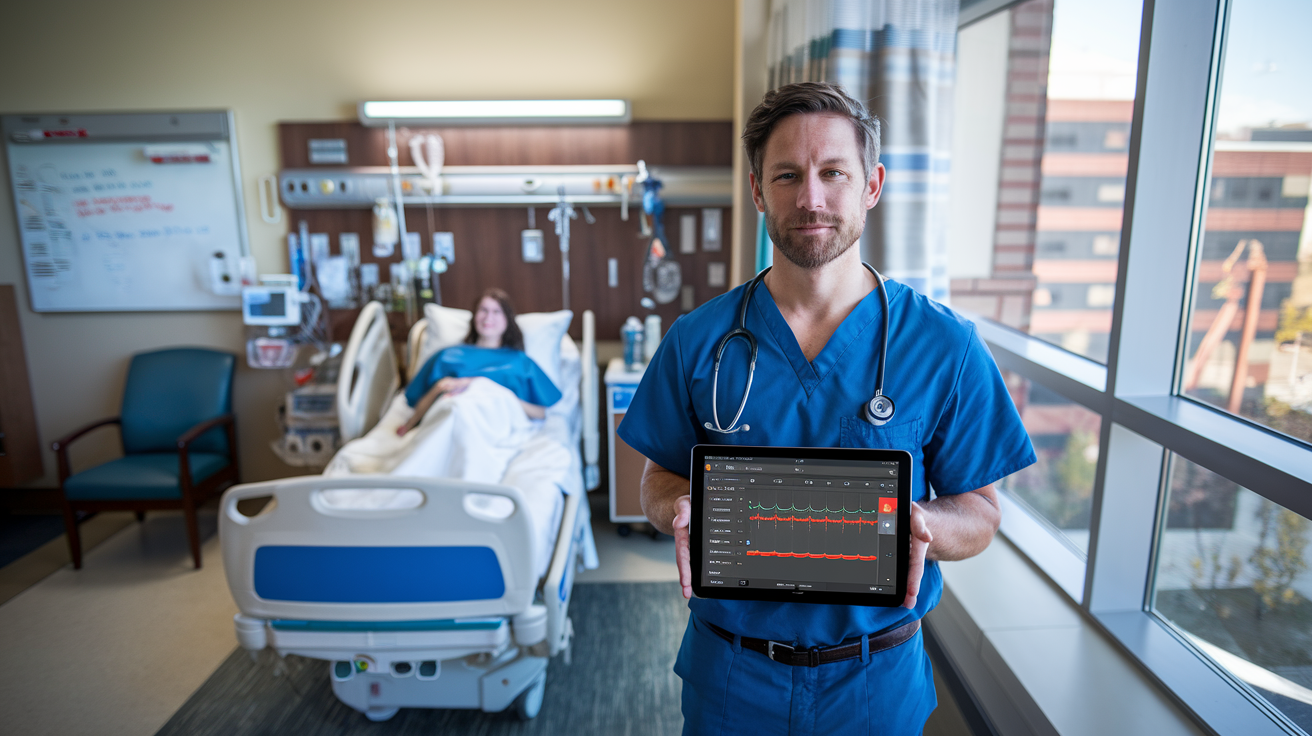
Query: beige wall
[751, 77]
[274, 61]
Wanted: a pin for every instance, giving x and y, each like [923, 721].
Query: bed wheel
[624, 530]
[381, 714]
[529, 702]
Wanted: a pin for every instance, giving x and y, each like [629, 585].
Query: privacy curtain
[899, 58]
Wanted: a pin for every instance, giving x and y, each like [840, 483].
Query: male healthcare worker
[817, 320]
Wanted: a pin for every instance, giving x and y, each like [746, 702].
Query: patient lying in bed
[473, 407]
[495, 350]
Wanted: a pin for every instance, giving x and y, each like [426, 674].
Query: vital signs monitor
[808, 525]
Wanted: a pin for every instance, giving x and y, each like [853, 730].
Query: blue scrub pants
[731, 690]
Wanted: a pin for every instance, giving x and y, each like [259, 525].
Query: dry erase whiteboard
[125, 212]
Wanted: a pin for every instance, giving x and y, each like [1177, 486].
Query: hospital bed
[453, 594]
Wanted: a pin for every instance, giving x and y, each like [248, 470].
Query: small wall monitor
[271, 306]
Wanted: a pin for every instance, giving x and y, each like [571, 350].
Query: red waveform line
[822, 520]
[758, 553]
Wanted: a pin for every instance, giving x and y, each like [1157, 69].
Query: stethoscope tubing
[743, 332]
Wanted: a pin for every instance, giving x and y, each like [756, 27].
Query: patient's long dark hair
[512, 338]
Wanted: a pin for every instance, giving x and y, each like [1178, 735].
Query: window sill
[1035, 662]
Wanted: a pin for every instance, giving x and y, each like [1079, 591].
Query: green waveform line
[844, 510]
[809, 521]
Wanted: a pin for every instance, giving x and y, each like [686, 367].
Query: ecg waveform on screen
[816, 525]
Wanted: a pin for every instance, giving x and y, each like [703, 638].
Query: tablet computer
[800, 524]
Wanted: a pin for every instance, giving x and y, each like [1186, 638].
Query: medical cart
[625, 463]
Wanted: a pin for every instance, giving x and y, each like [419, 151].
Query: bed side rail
[574, 547]
[368, 376]
[589, 396]
[449, 556]
[414, 345]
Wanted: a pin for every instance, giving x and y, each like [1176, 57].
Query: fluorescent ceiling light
[484, 112]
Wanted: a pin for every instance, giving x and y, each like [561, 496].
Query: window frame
[1137, 392]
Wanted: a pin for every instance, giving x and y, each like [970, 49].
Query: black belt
[816, 656]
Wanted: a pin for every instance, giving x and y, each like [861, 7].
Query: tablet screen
[815, 525]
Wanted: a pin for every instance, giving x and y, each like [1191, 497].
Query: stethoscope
[877, 411]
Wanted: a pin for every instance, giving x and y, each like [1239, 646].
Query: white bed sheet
[548, 466]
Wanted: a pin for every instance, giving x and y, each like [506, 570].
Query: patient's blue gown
[507, 366]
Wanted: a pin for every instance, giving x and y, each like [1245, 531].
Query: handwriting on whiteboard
[118, 205]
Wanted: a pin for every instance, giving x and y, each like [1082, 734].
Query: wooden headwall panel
[487, 239]
[658, 143]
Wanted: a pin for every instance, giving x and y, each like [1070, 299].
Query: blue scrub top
[507, 366]
[953, 414]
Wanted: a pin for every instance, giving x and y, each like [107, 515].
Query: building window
[1234, 576]
[1249, 340]
[1068, 84]
[1058, 488]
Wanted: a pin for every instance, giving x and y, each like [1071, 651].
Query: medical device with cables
[662, 277]
[877, 411]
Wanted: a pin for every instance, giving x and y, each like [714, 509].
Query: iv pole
[392, 157]
[561, 214]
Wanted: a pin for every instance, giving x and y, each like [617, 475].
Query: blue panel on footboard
[377, 574]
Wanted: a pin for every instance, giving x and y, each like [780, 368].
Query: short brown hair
[809, 97]
[512, 338]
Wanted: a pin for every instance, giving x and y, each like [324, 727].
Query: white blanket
[480, 435]
[470, 436]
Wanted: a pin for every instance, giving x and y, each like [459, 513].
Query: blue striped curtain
[898, 57]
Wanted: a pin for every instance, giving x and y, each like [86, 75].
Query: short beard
[813, 255]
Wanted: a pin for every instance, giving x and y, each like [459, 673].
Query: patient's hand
[445, 386]
[453, 386]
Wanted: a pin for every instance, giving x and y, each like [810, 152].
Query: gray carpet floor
[620, 682]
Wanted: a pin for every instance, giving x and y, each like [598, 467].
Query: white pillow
[446, 327]
[542, 333]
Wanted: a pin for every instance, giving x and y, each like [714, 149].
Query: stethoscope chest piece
[879, 410]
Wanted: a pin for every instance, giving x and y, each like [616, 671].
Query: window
[1234, 575]
[1065, 71]
[1100, 296]
[1058, 488]
[1250, 326]
[1164, 372]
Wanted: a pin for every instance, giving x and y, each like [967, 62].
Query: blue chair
[179, 443]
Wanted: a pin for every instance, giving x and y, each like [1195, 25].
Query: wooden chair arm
[62, 443]
[60, 446]
[184, 446]
[190, 435]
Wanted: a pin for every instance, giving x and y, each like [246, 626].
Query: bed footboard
[302, 558]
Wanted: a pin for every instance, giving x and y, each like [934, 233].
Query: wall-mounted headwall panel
[487, 238]
[126, 212]
[659, 143]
